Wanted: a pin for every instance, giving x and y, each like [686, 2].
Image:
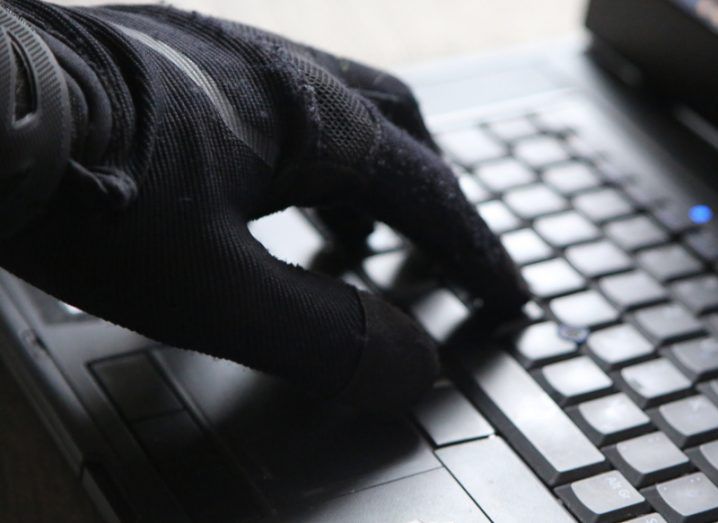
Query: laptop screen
[674, 43]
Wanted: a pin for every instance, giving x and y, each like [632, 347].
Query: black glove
[141, 158]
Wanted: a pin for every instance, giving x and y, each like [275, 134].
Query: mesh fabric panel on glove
[185, 129]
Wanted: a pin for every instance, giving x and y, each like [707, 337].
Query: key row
[560, 454]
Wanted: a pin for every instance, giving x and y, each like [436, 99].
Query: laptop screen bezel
[672, 49]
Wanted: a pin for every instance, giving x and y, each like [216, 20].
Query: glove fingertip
[399, 362]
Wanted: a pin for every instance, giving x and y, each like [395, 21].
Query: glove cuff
[35, 123]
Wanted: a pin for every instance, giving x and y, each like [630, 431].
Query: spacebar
[527, 417]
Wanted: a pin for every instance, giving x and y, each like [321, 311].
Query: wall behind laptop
[398, 32]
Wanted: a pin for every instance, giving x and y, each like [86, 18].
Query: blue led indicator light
[701, 214]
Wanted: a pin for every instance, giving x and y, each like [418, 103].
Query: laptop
[595, 161]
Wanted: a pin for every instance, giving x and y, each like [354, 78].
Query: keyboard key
[706, 458]
[606, 497]
[710, 390]
[674, 218]
[577, 334]
[585, 309]
[609, 419]
[498, 217]
[502, 175]
[510, 398]
[502, 475]
[552, 278]
[542, 343]
[667, 323]
[566, 229]
[603, 205]
[540, 151]
[669, 263]
[653, 382]
[712, 323]
[700, 295]
[571, 178]
[632, 290]
[525, 246]
[643, 194]
[555, 122]
[581, 148]
[355, 281]
[648, 459]
[574, 380]
[688, 421]
[472, 190]
[470, 145]
[440, 312]
[648, 518]
[135, 385]
[705, 244]
[689, 499]
[384, 270]
[383, 239]
[447, 417]
[598, 259]
[512, 129]
[533, 311]
[534, 201]
[698, 359]
[636, 233]
[618, 346]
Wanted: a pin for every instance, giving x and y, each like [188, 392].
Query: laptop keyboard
[609, 394]
[602, 405]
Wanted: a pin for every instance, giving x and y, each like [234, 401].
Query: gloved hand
[136, 143]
